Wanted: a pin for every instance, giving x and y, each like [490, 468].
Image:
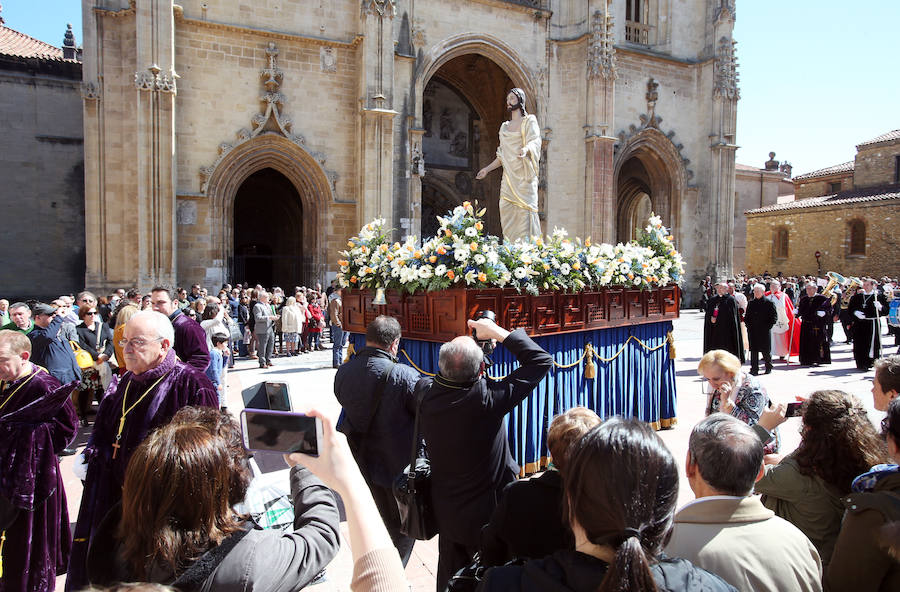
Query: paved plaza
[311, 380]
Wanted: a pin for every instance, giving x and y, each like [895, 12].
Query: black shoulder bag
[412, 488]
[358, 438]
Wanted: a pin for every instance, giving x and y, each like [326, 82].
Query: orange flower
[447, 232]
[353, 280]
[441, 250]
[364, 249]
[417, 254]
[587, 242]
[466, 204]
[390, 257]
[546, 267]
[450, 274]
[576, 265]
[631, 276]
[433, 259]
[351, 244]
[482, 277]
[343, 262]
[479, 226]
[384, 248]
[369, 270]
[473, 247]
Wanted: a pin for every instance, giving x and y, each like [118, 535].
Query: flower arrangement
[462, 254]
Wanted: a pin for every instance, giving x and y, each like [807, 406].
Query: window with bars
[638, 29]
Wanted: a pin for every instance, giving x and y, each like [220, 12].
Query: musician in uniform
[866, 308]
[814, 310]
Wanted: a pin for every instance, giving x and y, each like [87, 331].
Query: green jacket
[14, 327]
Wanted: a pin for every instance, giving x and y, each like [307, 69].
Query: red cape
[792, 322]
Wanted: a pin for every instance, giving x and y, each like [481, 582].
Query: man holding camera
[462, 423]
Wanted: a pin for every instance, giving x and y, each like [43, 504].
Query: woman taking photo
[96, 338]
[621, 484]
[730, 390]
[805, 488]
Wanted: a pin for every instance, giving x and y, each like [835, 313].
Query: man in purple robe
[190, 338]
[146, 397]
[37, 421]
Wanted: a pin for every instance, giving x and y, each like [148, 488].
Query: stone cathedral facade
[245, 140]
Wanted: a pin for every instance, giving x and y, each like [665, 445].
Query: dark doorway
[268, 231]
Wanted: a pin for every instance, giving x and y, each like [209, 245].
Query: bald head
[460, 359]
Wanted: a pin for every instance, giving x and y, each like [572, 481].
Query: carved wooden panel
[441, 316]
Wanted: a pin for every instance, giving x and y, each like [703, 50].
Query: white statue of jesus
[519, 154]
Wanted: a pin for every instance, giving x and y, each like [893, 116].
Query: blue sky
[816, 76]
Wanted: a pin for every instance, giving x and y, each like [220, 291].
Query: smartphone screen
[793, 409]
[280, 431]
[277, 395]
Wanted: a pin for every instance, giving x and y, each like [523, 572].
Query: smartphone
[278, 397]
[281, 431]
[793, 409]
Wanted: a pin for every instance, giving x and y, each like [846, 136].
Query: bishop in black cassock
[721, 327]
[814, 311]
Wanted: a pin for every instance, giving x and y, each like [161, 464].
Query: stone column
[154, 81]
[416, 172]
[600, 190]
[377, 113]
[94, 193]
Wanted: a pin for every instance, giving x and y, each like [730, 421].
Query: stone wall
[42, 167]
[876, 164]
[753, 189]
[826, 230]
[818, 186]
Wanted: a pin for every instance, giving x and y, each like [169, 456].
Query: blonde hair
[565, 429]
[125, 314]
[16, 341]
[727, 361]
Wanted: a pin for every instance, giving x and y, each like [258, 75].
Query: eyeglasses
[885, 425]
[90, 312]
[137, 342]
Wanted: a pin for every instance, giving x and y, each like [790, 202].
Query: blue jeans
[338, 341]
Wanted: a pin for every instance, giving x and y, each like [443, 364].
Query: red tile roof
[14, 43]
[894, 135]
[745, 167]
[844, 167]
[854, 196]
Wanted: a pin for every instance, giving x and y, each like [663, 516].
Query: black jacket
[566, 571]
[463, 427]
[389, 436]
[528, 523]
[87, 339]
[760, 317]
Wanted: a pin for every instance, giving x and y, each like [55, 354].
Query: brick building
[41, 165]
[854, 228]
[248, 140]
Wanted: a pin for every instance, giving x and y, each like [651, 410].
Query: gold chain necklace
[125, 412]
[5, 401]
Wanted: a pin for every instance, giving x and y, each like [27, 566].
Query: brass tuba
[852, 284]
[834, 279]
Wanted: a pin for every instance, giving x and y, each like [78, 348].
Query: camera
[487, 345]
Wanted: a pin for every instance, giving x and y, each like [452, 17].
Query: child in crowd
[218, 358]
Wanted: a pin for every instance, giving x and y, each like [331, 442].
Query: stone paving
[311, 382]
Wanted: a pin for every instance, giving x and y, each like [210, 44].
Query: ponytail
[630, 570]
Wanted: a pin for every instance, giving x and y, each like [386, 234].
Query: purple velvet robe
[35, 424]
[181, 386]
[190, 341]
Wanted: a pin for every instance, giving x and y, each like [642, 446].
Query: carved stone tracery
[90, 91]
[602, 51]
[726, 74]
[270, 120]
[154, 79]
[386, 8]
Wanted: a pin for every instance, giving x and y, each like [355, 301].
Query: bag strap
[420, 392]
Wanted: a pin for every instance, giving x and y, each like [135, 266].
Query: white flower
[440, 270]
[493, 257]
[459, 211]
[471, 232]
[565, 269]
[470, 276]
[637, 281]
[425, 272]
[520, 273]
[461, 254]
[479, 259]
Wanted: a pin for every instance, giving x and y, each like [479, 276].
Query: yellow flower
[587, 242]
[473, 247]
[576, 265]
[351, 244]
[433, 259]
[546, 267]
[417, 254]
[384, 248]
[369, 270]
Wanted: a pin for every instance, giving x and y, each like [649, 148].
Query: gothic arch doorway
[268, 231]
[650, 177]
[298, 207]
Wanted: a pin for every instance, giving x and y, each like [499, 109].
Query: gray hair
[16, 305]
[759, 287]
[727, 453]
[383, 331]
[160, 322]
[460, 360]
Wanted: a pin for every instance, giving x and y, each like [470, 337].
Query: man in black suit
[761, 316]
[462, 423]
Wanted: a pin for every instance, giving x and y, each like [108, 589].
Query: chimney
[69, 44]
[786, 168]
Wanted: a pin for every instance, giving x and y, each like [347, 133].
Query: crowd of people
[603, 517]
[758, 317]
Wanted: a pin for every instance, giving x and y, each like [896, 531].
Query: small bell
[379, 297]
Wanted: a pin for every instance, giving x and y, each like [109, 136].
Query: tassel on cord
[590, 369]
[350, 352]
[671, 341]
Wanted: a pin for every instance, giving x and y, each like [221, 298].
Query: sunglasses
[90, 312]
